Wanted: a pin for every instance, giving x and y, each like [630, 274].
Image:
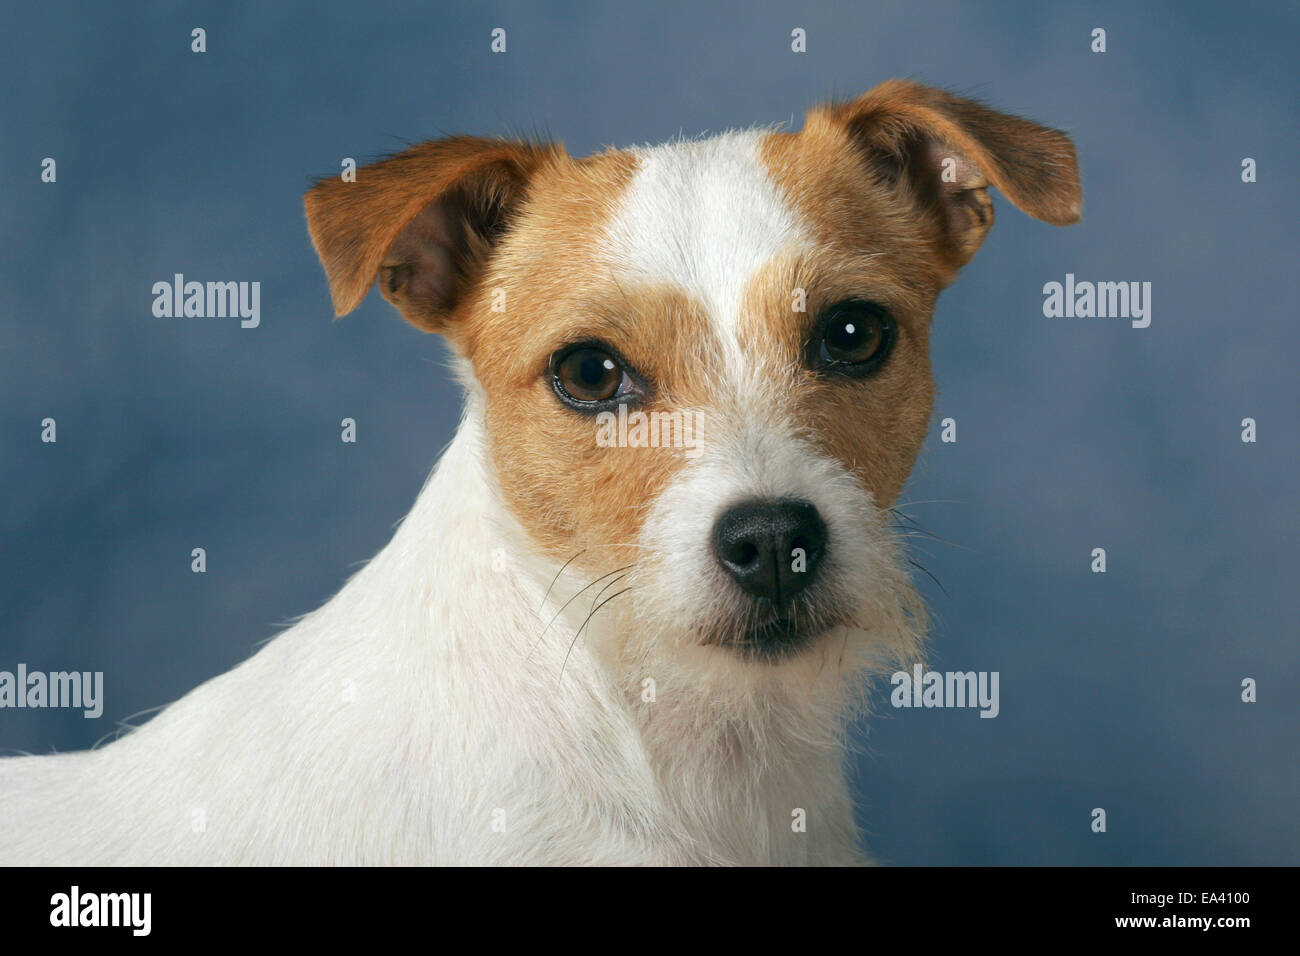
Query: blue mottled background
[1118, 690]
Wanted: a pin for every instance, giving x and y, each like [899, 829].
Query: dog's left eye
[854, 337]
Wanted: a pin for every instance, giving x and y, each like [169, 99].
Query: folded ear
[423, 221]
[945, 151]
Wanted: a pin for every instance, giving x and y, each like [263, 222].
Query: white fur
[704, 215]
[443, 708]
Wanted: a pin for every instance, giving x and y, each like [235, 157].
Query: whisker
[583, 627]
[608, 585]
[590, 547]
[557, 577]
[570, 601]
[913, 526]
[923, 568]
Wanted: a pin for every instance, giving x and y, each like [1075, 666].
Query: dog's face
[705, 365]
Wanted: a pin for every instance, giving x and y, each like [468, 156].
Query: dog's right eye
[588, 375]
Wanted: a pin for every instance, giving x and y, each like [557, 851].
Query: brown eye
[855, 337]
[588, 374]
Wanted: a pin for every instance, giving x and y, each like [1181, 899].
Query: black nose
[771, 548]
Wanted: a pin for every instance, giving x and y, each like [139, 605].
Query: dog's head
[705, 365]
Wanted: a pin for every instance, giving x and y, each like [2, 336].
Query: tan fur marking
[872, 246]
[569, 493]
[873, 426]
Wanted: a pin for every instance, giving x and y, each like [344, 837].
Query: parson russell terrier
[600, 652]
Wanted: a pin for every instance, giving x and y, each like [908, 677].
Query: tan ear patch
[425, 217]
[844, 206]
[925, 156]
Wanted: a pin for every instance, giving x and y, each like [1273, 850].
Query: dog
[644, 589]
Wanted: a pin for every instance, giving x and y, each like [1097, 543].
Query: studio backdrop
[1108, 490]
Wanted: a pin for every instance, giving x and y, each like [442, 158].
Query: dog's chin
[773, 641]
[775, 637]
